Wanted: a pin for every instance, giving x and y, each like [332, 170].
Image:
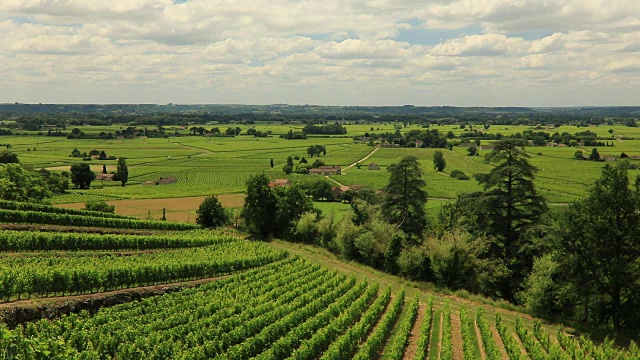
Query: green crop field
[221, 165]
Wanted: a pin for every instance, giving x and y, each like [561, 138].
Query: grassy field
[221, 165]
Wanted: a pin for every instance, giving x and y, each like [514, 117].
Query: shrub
[458, 175]
[100, 206]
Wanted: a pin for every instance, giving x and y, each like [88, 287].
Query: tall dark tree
[122, 172]
[259, 205]
[405, 199]
[104, 168]
[600, 244]
[439, 163]
[211, 214]
[271, 163]
[507, 209]
[82, 176]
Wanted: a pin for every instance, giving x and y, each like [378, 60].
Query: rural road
[350, 166]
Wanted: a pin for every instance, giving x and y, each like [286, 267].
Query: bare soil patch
[412, 345]
[456, 336]
[178, 209]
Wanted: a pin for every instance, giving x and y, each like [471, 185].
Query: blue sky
[384, 52]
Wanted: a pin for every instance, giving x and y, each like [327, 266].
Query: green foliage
[122, 171]
[405, 197]
[211, 214]
[425, 331]
[595, 155]
[316, 150]
[259, 205]
[472, 151]
[454, 260]
[507, 209]
[82, 176]
[44, 276]
[395, 349]
[20, 241]
[18, 184]
[439, 162]
[374, 343]
[8, 157]
[599, 247]
[458, 175]
[578, 155]
[100, 206]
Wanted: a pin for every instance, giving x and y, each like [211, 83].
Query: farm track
[412, 342]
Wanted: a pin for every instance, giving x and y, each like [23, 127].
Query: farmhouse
[338, 191]
[373, 166]
[609, 158]
[486, 147]
[162, 181]
[326, 170]
[279, 182]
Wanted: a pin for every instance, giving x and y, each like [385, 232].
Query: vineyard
[291, 308]
[257, 302]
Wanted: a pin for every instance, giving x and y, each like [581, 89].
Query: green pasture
[219, 165]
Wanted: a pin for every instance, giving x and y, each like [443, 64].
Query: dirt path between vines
[412, 344]
[456, 336]
[496, 336]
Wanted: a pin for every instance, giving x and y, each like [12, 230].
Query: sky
[325, 52]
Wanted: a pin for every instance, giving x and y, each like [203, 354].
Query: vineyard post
[164, 214]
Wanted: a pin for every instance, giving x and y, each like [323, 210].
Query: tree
[81, 176]
[259, 205]
[290, 161]
[321, 189]
[595, 155]
[18, 184]
[211, 214]
[508, 207]
[102, 155]
[122, 172]
[57, 182]
[104, 168]
[599, 244]
[578, 155]
[8, 157]
[405, 199]
[76, 153]
[438, 160]
[272, 163]
[287, 169]
[472, 151]
[100, 206]
[291, 204]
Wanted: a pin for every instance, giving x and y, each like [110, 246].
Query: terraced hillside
[271, 303]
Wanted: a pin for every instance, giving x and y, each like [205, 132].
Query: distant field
[221, 165]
